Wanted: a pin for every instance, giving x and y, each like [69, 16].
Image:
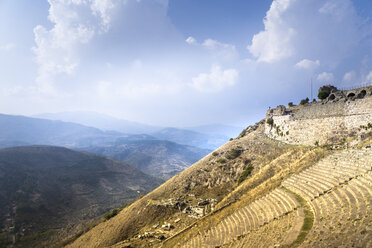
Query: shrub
[111, 213]
[215, 154]
[304, 101]
[247, 172]
[115, 211]
[287, 132]
[323, 95]
[316, 143]
[221, 160]
[233, 154]
[270, 121]
[231, 139]
[277, 129]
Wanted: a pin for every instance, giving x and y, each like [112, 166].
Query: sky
[179, 62]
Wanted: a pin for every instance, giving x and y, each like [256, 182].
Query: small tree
[323, 94]
[270, 121]
[304, 101]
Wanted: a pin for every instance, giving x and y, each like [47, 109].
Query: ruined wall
[323, 122]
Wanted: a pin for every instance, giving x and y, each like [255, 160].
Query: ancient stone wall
[325, 122]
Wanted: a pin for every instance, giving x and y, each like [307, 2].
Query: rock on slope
[47, 188]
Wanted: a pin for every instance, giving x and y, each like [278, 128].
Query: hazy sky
[178, 62]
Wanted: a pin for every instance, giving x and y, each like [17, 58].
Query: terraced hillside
[326, 205]
[255, 192]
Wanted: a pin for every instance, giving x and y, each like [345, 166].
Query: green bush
[111, 214]
[270, 121]
[221, 160]
[233, 154]
[115, 211]
[304, 101]
[247, 172]
[323, 95]
[215, 154]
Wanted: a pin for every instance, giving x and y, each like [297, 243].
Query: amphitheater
[326, 205]
[334, 194]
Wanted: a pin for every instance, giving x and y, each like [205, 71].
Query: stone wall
[325, 122]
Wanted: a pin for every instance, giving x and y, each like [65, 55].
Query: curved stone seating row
[260, 212]
[343, 216]
[329, 173]
[268, 235]
[339, 190]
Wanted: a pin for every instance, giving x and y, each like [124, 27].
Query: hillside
[159, 158]
[264, 189]
[45, 191]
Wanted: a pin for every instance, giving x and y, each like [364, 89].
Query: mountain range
[158, 157]
[205, 136]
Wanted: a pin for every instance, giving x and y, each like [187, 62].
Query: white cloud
[325, 77]
[216, 80]
[275, 42]
[349, 77]
[75, 23]
[221, 51]
[336, 8]
[103, 9]
[7, 47]
[191, 40]
[308, 64]
[324, 29]
[369, 78]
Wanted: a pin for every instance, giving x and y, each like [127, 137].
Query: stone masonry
[328, 121]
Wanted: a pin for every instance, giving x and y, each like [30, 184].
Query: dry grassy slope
[208, 178]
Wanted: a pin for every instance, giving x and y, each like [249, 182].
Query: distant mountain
[101, 121]
[205, 136]
[21, 130]
[156, 157]
[191, 138]
[217, 129]
[159, 158]
[46, 188]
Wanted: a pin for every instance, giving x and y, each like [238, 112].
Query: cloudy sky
[178, 62]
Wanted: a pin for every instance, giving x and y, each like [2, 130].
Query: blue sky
[178, 62]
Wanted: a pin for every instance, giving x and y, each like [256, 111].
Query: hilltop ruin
[342, 114]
